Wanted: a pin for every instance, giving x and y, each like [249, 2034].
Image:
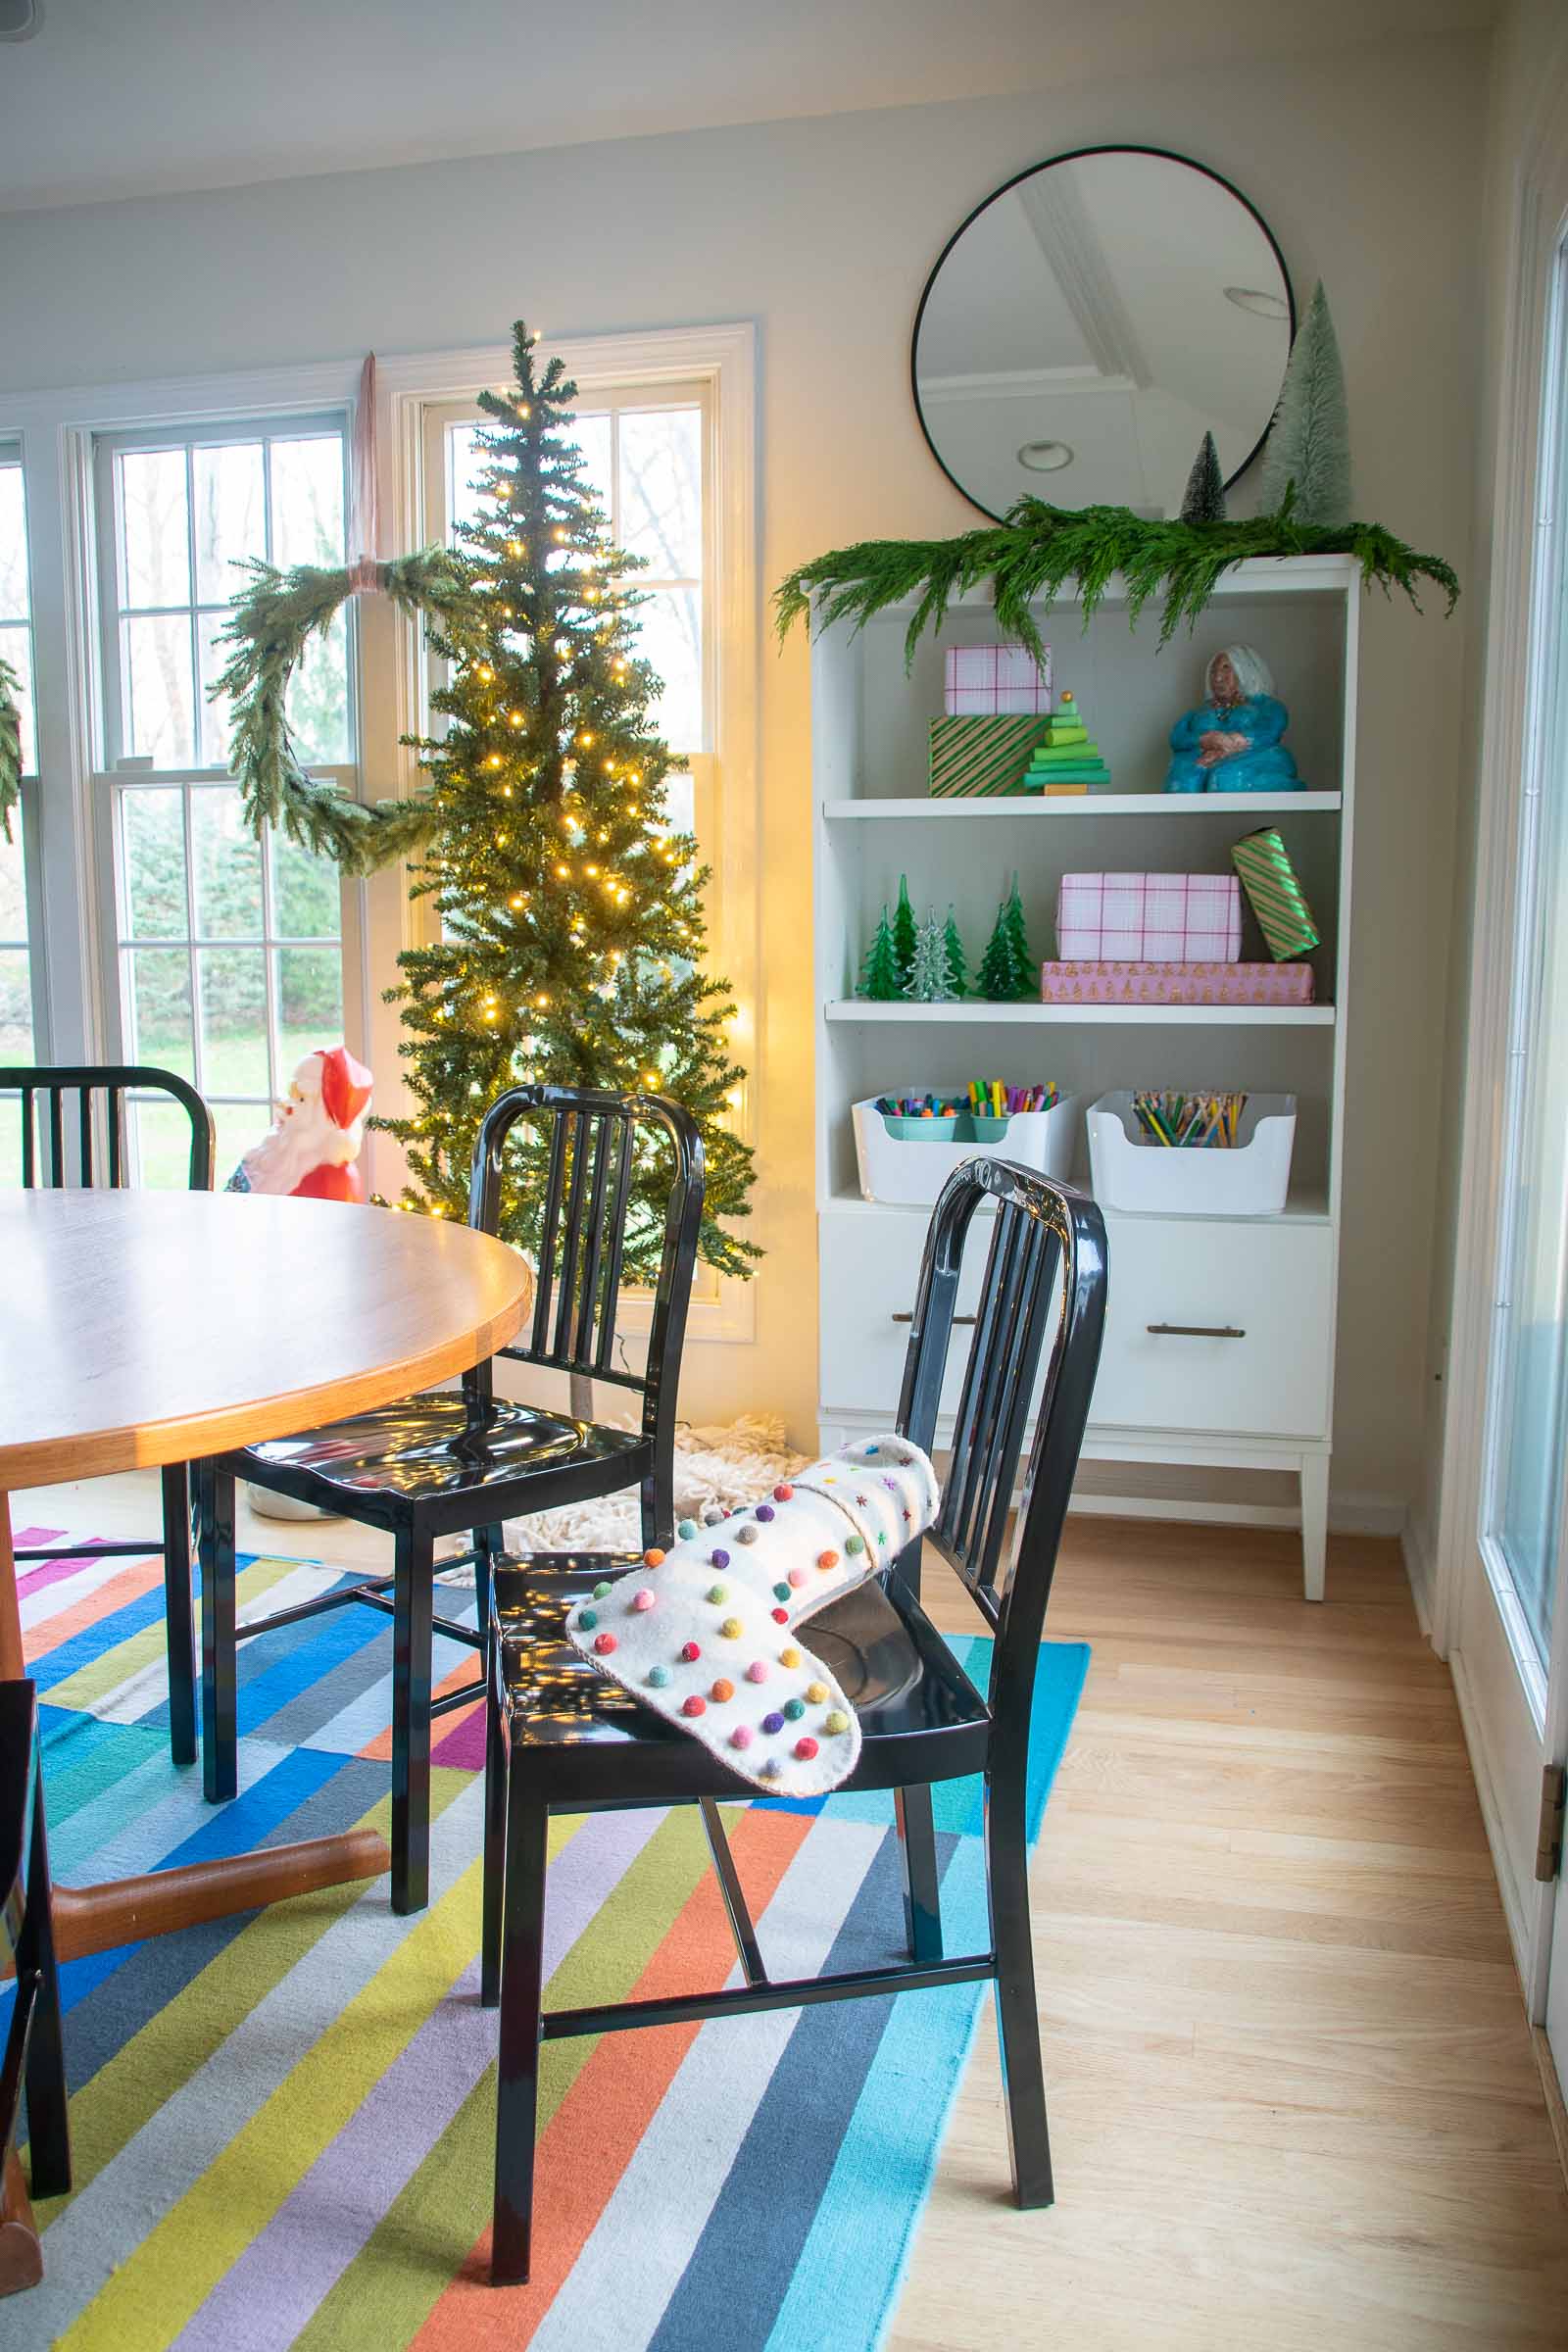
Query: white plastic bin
[1248, 1178]
[914, 1172]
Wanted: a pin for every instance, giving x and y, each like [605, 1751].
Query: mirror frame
[1072, 155]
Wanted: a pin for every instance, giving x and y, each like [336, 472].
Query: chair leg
[521, 1998]
[1017, 2015]
[736, 1908]
[412, 1612]
[922, 1892]
[495, 1849]
[48, 2121]
[179, 1631]
[488, 1542]
[214, 1491]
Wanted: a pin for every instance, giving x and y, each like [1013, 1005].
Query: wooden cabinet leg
[1314, 1522]
[21, 2259]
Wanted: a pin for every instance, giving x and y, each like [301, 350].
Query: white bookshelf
[1264, 1401]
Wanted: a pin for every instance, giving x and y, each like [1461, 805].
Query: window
[1524, 1488]
[230, 951]
[15, 648]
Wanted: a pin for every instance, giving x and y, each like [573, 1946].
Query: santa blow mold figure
[311, 1146]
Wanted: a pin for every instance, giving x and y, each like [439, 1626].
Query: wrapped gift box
[981, 755]
[1150, 918]
[1102, 982]
[987, 681]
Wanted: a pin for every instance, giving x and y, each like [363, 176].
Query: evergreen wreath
[1038, 550]
[270, 625]
[9, 745]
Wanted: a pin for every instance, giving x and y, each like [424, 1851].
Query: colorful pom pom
[816, 1693]
[694, 1705]
[690, 1651]
[806, 1748]
[853, 1545]
[773, 1723]
[653, 1557]
[746, 1534]
[794, 1709]
[764, 1510]
[781, 1592]
[717, 1592]
[601, 1592]
[837, 1721]
[722, 1692]
[797, 1576]
[827, 1559]
[685, 1529]
[741, 1736]
[718, 1559]
[769, 1768]
[587, 1619]
[781, 1616]
[732, 1629]
[604, 1644]
[658, 1676]
[783, 1493]
[757, 1672]
[644, 1598]
[789, 1657]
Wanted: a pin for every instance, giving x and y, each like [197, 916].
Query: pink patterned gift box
[1102, 982]
[1151, 918]
[990, 681]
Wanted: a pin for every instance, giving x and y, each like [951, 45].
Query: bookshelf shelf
[1080, 1016]
[1233, 808]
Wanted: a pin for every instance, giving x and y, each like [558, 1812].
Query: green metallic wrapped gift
[1275, 892]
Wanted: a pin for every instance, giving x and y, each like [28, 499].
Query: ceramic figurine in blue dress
[1231, 743]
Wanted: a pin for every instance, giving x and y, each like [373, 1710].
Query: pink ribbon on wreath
[364, 508]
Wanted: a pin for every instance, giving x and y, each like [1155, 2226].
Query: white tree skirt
[727, 1465]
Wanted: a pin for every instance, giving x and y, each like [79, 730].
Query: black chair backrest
[46, 1155]
[588, 1196]
[1046, 1267]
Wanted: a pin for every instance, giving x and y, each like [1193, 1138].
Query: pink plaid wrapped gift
[987, 681]
[1150, 918]
[1108, 983]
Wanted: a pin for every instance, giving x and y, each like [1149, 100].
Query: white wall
[1366, 166]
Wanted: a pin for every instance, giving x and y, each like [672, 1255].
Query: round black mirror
[1090, 323]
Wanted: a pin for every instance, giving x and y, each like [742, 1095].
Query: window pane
[158, 1009]
[160, 721]
[671, 626]
[155, 526]
[15, 647]
[229, 867]
[153, 839]
[215, 719]
[13, 885]
[592, 436]
[467, 450]
[661, 490]
[13, 546]
[681, 801]
[308, 501]
[307, 893]
[234, 991]
[159, 1135]
[230, 515]
[236, 1127]
[16, 1014]
[309, 996]
[319, 698]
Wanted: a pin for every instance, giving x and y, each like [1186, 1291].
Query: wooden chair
[561, 1740]
[85, 1148]
[467, 1459]
[33, 2061]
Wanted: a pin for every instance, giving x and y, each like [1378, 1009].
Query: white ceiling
[117, 98]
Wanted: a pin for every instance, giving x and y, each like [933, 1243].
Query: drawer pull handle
[904, 1315]
[1196, 1331]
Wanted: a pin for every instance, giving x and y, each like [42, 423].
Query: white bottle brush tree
[1308, 455]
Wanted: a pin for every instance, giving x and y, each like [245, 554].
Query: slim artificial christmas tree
[571, 922]
[1006, 975]
[957, 961]
[1309, 443]
[879, 973]
[1018, 938]
[930, 982]
[905, 933]
[1204, 501]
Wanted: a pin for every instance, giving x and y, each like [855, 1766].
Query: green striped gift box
[1277, 898]
[982, 756]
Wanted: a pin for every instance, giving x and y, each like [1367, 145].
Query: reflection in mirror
[1090, 323]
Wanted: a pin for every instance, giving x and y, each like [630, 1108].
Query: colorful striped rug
[283, 2123]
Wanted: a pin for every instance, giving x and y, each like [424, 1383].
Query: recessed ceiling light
[18, 20]
[1262, 305]
[1045, 456]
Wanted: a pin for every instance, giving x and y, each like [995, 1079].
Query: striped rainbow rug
[283, 2123]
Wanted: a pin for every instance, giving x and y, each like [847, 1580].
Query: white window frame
[119, 777]
[26, 816]
[723, 361]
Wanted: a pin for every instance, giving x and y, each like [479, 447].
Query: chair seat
[436, 1448]
[589, 1741]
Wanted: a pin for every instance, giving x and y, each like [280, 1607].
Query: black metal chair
[467, 1459]
[87, 1145]
[563, 1740]
[33, 2060]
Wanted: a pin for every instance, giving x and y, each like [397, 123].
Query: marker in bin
[1192, 1120]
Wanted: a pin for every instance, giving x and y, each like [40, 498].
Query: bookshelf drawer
[1215, 1326]
[871, 1265]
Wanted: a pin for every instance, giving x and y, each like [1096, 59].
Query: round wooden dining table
[143, 1328]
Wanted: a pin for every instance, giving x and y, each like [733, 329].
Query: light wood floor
[1294, 2097]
